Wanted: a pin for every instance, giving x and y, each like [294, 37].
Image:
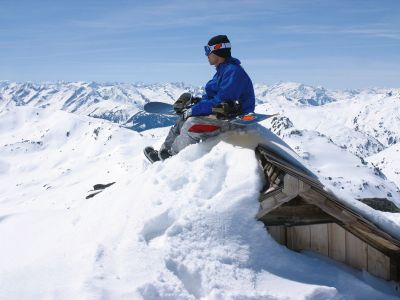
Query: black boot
[151, 154]
[163, 154]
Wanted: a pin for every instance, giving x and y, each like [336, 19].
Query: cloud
[268, 62]
[383, 30]
[178, 13]
[375, 32]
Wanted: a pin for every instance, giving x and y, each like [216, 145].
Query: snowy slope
[182, 229]
[363, 122]
[388, 160]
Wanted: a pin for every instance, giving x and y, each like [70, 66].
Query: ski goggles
[209, 49]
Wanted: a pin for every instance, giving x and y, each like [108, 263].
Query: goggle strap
[223, 45]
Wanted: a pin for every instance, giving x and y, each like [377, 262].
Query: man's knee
[199, 129]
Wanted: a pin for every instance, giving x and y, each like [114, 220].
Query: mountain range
[364, 122]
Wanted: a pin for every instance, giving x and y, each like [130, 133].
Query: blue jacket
[230, 83]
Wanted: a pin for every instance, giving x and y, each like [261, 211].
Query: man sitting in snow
[229, 93]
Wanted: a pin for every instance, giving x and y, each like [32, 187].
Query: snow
[185, 228]
[181, 229]
[387, 160]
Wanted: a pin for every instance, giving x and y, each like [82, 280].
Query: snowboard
[162, 108]
[159, 108]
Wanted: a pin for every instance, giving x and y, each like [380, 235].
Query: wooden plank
[314, 197]
[274, 176]
[303, 186]
[381, 241]
[356, 252]
[394, 269]
[294, 215]
[273, 202]
[319, 238]
[271, 156]
[354, 222]
[271, 171]
[290, 185]
[337, 242]
[277, 181]
[268, 167]
[378, 263]
[289, 237]
[298, 237]
[278, 233]
[270, 192]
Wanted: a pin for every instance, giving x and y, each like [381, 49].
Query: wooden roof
[295, 196]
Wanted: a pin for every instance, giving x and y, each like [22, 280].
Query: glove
[227, 110]
[187, 113]
[196, 100]
[183, 102]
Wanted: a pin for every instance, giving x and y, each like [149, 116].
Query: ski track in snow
[181, 229]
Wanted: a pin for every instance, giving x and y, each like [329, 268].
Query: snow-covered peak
[297, 93]
[73, 96]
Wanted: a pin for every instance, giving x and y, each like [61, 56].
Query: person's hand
[187, 113]
[196, 100]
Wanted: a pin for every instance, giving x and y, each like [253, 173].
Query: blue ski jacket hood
[229, 83]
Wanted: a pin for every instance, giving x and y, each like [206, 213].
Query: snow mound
[181, 229]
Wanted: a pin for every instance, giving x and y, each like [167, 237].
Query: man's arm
[230, 88]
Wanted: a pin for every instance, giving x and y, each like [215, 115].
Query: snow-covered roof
[343, 210]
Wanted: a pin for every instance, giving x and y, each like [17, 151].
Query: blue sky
[336, 44]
